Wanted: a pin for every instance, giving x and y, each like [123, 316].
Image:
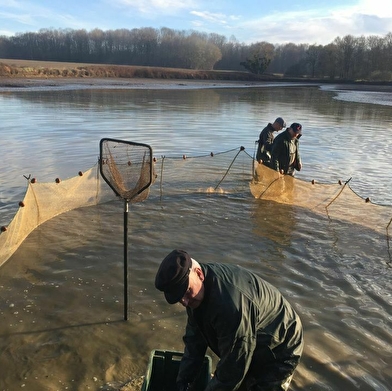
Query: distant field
[22, 69]
[51, 69]
[42, 64]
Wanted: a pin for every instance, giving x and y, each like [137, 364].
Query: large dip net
[230, 172]
[127, 167]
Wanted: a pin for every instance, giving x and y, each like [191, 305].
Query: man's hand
[182, 386]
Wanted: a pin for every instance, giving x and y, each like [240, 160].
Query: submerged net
[43, 201]
[336, 201]
[229, 172]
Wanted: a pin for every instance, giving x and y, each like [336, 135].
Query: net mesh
[43, 201]
[127, 168]
[229, 172]
[336, 201]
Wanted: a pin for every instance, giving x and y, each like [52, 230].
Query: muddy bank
[22, 82]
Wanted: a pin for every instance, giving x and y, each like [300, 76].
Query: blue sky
[276, 21]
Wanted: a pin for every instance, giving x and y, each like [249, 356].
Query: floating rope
[340, 192]
[235, 157]
[389, 263]
[160, 185]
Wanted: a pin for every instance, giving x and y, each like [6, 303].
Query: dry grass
[15, 71]
[49, 69]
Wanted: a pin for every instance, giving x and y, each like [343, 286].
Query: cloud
[6, 33]
[34, 17]
[212, 18]
[312, 26]
[291, 26]
[320, 26]
[372, 24]
[15, 17]
[12, 4]
[381, 8]
[154, 7]
[217, 18]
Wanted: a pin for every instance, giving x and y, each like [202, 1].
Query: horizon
[310, 22]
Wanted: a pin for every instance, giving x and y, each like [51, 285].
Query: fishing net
[43, 201]
[337, 201]
[127, 168]
[232, 172]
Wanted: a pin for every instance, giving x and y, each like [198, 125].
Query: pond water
[61, 292]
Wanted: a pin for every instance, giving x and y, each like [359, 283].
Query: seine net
[336, 201]
[43, 201]
[229, 172]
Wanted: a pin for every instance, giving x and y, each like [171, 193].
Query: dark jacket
[244, 320]
[266, 138]
[280, 153]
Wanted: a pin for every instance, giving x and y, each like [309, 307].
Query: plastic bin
[163, 369]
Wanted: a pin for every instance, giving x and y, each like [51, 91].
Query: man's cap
[297, 128]
[281, 122]
[173, 275]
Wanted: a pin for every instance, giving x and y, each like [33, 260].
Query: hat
[297, 128]
[281, 122]
[173, 275]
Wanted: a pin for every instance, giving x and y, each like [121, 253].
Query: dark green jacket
[242, 318]
[280, 153]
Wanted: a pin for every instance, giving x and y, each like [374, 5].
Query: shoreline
[20, 74]
[25, 82]
[18, 83]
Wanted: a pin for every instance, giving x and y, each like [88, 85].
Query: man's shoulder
[225, 271]
[278, 138]
[268, 128]
[220, 266]
[281, 136]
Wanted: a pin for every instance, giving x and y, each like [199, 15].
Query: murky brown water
[61, 293]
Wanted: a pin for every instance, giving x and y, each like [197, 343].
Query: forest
[346, 58]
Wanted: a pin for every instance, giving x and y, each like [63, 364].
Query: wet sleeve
[268, 141]
[194, 352]
[237, 342]
[275, 154]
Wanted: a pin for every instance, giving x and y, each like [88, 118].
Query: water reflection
[62, 290]
[275, 222]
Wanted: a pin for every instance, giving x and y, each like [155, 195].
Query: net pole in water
[126, 270]
[127, 167]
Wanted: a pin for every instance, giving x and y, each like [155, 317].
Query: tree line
[347, 58]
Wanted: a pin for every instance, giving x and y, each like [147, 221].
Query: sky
[248, 21]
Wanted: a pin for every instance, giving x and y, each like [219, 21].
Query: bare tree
[347, 58]
[345, 49]
[313, 57]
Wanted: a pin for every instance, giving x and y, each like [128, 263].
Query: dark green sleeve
[237, 342]
[194, 352]
[268, 140]
[276, 151]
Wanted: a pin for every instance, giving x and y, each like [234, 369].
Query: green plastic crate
[163, 369]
